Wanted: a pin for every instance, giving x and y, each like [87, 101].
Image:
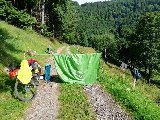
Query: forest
[128, 29]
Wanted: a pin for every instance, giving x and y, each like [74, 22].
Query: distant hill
[114, 15]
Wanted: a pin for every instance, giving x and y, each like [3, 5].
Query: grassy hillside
[13, 43]
[143, 103]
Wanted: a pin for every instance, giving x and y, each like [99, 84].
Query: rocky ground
[45, 105]
[103, 104]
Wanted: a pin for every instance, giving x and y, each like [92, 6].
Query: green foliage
[15, 17]
[118, 17]
[30, 4]
[24, 4]
[100, 17]
[147, 42]
[63, 19]
[45, 32]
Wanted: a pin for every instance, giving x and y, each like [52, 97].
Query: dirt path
[59, 50]
[45, 105]
[103, 104]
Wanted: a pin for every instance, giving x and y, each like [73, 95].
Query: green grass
[10, 106]
[74, 103]
[139, 103]
[13, 43]
[142, 104]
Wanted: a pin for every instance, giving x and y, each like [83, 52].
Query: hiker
[136, 75]
[123, 66]
[49, 49]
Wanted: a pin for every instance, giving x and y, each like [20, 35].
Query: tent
[78, 68]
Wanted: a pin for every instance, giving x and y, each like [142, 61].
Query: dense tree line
[12, 15]
[113, 15]
[128, 29]
[130, 22]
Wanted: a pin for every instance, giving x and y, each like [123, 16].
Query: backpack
[137, 74]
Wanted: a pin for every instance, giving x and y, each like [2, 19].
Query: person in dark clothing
[135, 73]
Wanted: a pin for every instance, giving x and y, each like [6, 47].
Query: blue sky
[84, 1]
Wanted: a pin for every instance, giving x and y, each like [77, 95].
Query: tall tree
[147, 43]
[63, 19]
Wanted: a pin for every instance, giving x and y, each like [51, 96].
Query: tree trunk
[43, 9]
[150, 74]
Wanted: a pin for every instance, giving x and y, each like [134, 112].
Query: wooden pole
[134, 83]
[105, 53]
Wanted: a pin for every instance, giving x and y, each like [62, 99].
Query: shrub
[18, 18]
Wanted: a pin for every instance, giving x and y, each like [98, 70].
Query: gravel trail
[45, 105]
[103, 104]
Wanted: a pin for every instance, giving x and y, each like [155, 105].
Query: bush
[18, 18]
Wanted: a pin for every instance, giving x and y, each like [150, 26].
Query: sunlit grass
[74, 104]
[13, 43]
[141, 103]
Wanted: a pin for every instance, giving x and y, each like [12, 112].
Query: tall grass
[140, 106]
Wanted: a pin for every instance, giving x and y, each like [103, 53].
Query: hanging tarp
[78, 68]
[24, 74]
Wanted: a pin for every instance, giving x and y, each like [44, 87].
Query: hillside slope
[13, 43]
[143, 103]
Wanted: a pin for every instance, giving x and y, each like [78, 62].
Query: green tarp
[78, 68]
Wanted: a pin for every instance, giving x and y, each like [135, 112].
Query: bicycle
[27, 92]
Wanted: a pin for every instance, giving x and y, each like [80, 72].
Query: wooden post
[134, 83]
[105, 53]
